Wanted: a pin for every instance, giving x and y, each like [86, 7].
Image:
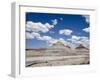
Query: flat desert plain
[49, 57]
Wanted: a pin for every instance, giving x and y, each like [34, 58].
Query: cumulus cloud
[61, 19]
[35, 34]
[51, 32]
[75, 37]
[33, 29]
[65, 32]
[87, 30]
[87, 18]
[29, 35]
[76, 40]
[63, 41]
[52, 41]
[73, 42]
[32, 35]
[45, 38]
[48, 39]
[85, 41]
[49, 26]
[38, 26]
[54, 22]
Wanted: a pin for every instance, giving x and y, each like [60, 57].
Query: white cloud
[85, 41]
[73, 45]
[63, 41]
[52, 41]
[51, 32]
[76, 40]
[38, 26]
[35, 34]
[87, 18]
[34, 28]
[29, 35]
[61, 19]
[54, 22]
[86, 29]
[45, 38]
[48, 39]
[72, 42]
[49, 26]
[32, 35]
[84, 38]
[75, 37]
[65, 32]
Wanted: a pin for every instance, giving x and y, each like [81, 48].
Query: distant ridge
[60, 44]
[81, 47]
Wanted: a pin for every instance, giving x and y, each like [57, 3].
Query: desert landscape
[54, 39]
[57, 55]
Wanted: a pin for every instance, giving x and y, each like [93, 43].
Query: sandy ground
[57, 60]
[38, 58]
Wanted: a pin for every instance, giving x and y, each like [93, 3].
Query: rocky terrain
[57, 55]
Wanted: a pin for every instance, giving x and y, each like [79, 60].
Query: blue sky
[66, 27]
